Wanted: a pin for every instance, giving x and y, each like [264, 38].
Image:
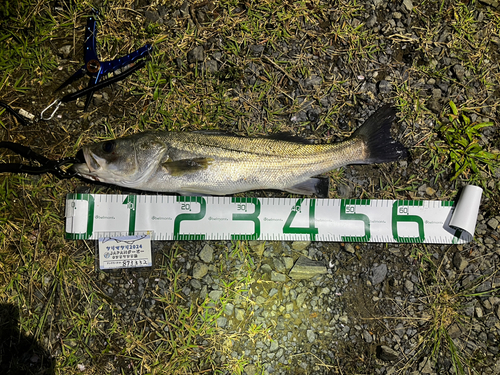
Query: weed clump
[460, 146]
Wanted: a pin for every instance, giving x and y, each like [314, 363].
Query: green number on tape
[186, 206]
[348, 212]
[400, 210]
[131, 202]
[311, 230]
[241, 205]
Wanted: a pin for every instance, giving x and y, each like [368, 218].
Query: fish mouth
[88, 168]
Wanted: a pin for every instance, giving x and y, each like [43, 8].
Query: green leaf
[482, 125]
[487, 155]
[473, 148]
[473, 166]
[453, 108]
[459, 171]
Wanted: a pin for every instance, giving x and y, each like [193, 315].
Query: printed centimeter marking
[235, 218]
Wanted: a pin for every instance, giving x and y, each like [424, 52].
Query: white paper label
[125, 252]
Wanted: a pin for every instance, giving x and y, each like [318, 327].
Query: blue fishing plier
[95, 68]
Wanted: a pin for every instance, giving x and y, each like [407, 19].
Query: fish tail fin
[376, 133]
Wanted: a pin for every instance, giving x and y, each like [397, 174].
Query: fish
[213, 163]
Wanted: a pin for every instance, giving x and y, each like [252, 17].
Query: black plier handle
[70, 97]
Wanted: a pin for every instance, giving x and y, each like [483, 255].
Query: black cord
[46, 165]
[24, 151]
[9, 109]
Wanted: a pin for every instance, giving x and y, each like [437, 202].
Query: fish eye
[108, 146]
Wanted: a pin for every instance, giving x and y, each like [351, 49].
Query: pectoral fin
[181, 167]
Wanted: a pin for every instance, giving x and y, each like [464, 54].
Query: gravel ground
[368, 313]
[370, 308]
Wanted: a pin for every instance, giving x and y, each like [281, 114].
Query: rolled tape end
[466, 209]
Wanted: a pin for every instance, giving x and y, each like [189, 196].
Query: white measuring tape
[93, 216]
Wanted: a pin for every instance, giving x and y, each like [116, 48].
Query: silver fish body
[220, 164]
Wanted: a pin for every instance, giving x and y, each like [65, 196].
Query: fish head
[127, 161]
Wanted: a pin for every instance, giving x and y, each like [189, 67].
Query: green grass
[26, 59]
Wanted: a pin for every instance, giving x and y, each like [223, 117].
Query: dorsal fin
[282, 136]
[289, 137]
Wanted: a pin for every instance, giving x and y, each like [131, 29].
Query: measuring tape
[93, 216]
